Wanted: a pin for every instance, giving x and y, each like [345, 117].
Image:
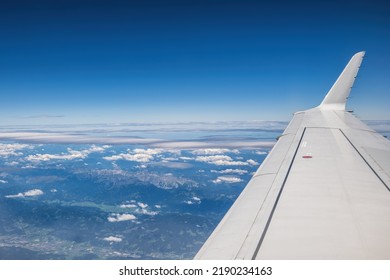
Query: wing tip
[337, 96]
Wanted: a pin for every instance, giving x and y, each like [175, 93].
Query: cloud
[140, 208]
[142, 205]
[148, 151]
[229, 171]
[227, 179]
[128, 206]
[34, 192]
[83, 137]
[138, 155]
[69, 138]
[129, 157]
[7, 150]
[184, 158]
[261, 152]
[213, 151]
[146, 212]
[220, 160]
[127, 133]
[113, 239]
[3, 181]
[213, 158]
[121, 218]
[194, 200]
[252, 162]
[12, 163]
[244, 144]
[71, 155]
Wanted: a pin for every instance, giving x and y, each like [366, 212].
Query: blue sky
[95, 61]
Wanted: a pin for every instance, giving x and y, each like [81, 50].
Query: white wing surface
[323, 192]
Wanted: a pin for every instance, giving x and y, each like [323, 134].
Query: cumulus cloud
[227, 179]
[146, 212]
[142, 205]
[7, 150]
[121, 217]
[71, 155]
[138, 155]
[252, 162]
[128, 206]
[261, 152]
[3, 182]
[193, 200]
[113, 239]
[213, 158]
[34, 192]
[220, 160]
[231, 171]
[140, 208]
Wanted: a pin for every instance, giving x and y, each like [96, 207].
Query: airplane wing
[323, 192]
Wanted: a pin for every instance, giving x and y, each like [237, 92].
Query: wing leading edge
[323, 192]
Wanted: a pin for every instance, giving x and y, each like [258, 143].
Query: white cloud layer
[34, 192]
[138, 155]
[7, 150]
[121, 217]
[71, 155]
[227, 179]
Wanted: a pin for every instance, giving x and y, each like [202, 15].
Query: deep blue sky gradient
[95, 61]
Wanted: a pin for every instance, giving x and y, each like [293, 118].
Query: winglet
[338, 94]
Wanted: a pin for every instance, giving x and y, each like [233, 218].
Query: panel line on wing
[373, 170]
[277, 199]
